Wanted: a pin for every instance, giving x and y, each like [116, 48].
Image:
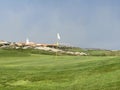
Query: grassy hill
[92, 52]
[27, 52]
[32, 70]
[10, 52]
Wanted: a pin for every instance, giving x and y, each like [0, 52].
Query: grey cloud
[40, 24]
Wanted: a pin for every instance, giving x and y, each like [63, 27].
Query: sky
[81, 23]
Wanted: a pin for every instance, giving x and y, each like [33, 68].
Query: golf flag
[58, 36]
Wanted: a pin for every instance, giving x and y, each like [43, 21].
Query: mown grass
[48, 72]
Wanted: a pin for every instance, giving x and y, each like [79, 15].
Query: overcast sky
[82, 23]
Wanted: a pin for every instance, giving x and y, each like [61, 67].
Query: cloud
[103, 30]
[79, 23]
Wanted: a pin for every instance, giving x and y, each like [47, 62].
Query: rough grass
[46, 72]
[10, 52]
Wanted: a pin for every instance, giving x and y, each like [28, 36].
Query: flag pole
[57, 43]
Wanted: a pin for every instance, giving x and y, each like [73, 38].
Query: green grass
[48, 72]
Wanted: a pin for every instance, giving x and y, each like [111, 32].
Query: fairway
[47, 72]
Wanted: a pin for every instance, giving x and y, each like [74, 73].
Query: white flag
[58, 36]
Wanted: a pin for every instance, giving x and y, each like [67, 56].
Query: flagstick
[57, 43]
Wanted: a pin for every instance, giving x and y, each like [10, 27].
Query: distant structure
[2, 42]
[27, 41]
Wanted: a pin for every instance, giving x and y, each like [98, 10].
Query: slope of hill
[46, 72]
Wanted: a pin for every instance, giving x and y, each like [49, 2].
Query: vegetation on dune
[92, 52]
[70, 48]
[12, 53]
[8, 52]
[103, 53]
[29, 51]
